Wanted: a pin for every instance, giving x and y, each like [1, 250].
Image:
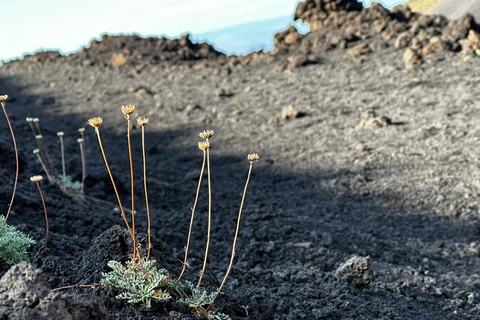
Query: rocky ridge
[334, 25]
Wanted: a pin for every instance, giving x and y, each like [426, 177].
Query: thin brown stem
[44, 209]
[16, 161]
[106, 203]
[37, 152]
[133, 198]
[185, 262]
[146, 194]
[209, 218]
[236, 231]
[84, 168]
[33, 130]
[113, 182]
[45, 150]
[63, 158]
[92, 286]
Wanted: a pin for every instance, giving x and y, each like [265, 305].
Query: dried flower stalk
[62, 149]
[127, 111]
[252, 158]
[2, 102]
[96, 123]
[206, 135]
[143, 122]
[202, 145]
[37, 179]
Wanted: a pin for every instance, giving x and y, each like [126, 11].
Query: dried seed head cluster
[253, 157]
[3, 98]
[36, 178]
[203, 145]
[127, 110]
[95, 122]
[142, 121]
[206, 134]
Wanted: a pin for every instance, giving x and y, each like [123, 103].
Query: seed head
[35, 120]
[95, 122]
[206, 134]
[127, 110]
[203, 145]
[38, 137]
[142, 121]
[36, 151]
[36, 178]
[253, 157]
[28, 119]
[82, 129]
[80, 140]
[60, 133]
[3, 98]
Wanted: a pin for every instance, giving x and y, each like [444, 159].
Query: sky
[30, 25]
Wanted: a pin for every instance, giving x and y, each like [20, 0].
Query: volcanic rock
[355, 271]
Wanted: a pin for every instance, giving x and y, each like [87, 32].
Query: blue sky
[30, 25]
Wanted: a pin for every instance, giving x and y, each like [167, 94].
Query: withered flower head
[60, 133]
[36, 151]
[127, 110]
[35, 120]
[95, 122]
[203, 145]
[3, 98]
[28, 119]
[80, 140]
[142, 121]
[206, 134]
[82, 129]
[253, 157]
[36, 178]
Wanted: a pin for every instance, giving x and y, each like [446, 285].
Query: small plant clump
[140, 284]
[13, 243]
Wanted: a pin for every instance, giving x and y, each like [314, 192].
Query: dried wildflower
[2, 103]
[206, 134]
[62, 151]
[127, 110]
[142, 121]
[253, 157]
[95, 122]
[36, 178]
[203, 145]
